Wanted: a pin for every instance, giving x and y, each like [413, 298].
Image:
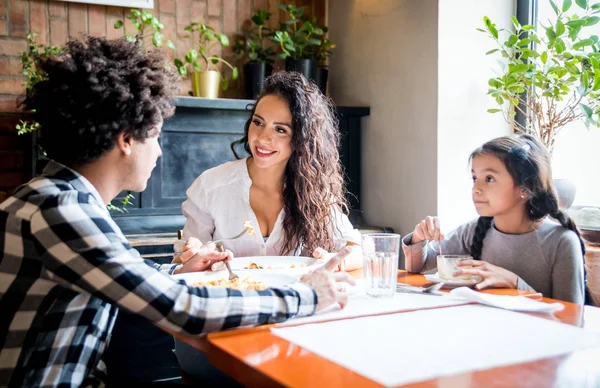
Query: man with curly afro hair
[65, 267]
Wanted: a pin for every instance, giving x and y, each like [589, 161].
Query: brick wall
[55, 22]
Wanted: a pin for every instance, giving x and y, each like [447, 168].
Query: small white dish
[271, 279]
[453, 283]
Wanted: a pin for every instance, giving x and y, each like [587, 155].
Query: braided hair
[528, 162]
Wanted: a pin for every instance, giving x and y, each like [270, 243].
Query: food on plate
[236, 284]
[254, 265]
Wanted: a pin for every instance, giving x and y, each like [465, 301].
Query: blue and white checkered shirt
[66, 269]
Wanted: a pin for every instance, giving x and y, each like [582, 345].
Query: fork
[431, 290]
[220, 241]
[221, 248]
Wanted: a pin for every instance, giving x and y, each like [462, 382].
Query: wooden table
[257, 358]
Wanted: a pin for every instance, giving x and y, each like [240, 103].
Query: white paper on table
[515, 303]
[361, 305]
[415, 346]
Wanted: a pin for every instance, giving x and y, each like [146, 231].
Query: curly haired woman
[291, 186]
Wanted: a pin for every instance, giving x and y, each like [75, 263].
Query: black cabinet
[197, 138]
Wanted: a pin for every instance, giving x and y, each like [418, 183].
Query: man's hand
[325, 282]
[198, 257]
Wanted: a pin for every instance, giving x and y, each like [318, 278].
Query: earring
[523, 196]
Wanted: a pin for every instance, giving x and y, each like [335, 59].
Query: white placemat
[360, 305]
[403, 348]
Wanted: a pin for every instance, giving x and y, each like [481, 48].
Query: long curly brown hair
[96, 90]
[314, 182]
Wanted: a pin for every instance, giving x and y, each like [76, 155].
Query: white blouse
[218, 204]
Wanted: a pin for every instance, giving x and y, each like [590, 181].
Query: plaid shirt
[66, 269]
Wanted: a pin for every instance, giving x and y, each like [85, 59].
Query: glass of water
[380, 263]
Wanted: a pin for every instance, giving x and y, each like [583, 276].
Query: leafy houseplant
[206, 75]
[296, 38]
[141, 20]
[552, 78]
[33, 74]
[259, 60]
[322, 52]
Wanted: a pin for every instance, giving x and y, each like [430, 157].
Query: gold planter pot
[206, 83]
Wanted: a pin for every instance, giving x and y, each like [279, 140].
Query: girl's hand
[428, 229]
[493, 276]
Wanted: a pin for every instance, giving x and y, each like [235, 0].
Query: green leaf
[130, 38]
[528, 27]
[234, 74]
[494, 32]
[560, 46]
[596, 7]
[182, 70]
[224, 83]
[576, 23]
[591, 20]
[178, 62]
[197, 66]
[554, 7]
[550, 34]
[596, 83]
[524, 42]
[515, 22]
[544, 57]
[223, 39]
[494, 110]
[560, 28]
[253, 56]
[566, 5]
[512, 40]
[118, 24]
[582, 3]
[572, 68]
[594, 63]
[157, 39]
[136, 12]
[170, 45]
[583, 43]
[491, 51]
[586, 110]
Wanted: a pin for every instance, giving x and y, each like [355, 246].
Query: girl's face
[270, 132]
[494, 191]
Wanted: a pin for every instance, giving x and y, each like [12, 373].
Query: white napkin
[515, 303]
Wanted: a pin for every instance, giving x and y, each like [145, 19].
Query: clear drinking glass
[380, 263]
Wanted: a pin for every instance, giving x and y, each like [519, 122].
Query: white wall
[463, 120]
[420, 66]
[386, 58]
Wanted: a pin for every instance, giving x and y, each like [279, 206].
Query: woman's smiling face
[270, 132]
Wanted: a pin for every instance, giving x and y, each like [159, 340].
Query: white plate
[453, 283]
[271, 279]
[274, 262]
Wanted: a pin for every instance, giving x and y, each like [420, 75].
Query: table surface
[257, 358]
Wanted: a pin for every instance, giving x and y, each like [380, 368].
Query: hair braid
[483, 224]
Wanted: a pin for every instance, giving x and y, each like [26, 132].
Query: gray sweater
[547, 260]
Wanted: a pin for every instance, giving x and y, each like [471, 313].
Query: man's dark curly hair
[96, 90]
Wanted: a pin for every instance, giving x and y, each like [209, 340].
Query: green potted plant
[259, 60]
[206, 76]
[296, 38]
[322, 54]
[552, 78]
[141, 20]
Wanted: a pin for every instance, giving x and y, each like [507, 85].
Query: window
[576, 153]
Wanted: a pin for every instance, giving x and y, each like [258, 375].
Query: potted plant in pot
[296, 39]
[259, 63]
[322, 53]
[551, 78]
[206, 76]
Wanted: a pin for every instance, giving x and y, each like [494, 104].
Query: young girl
[514, 243]
[291, 187]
